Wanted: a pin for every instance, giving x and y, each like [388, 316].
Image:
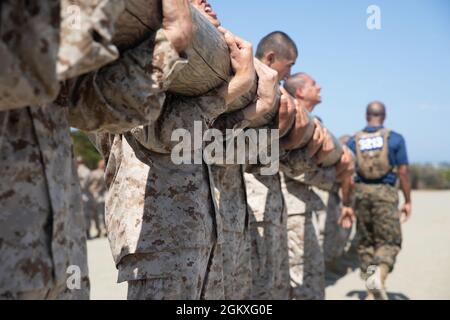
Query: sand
[422, 271]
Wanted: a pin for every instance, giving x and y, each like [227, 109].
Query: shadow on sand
[391, 295]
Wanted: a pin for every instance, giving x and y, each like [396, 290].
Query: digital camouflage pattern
[306, 261]
[270, 269]
[83, 22]
[269, 218]
[296, 165]
[307, 269]
[230, 199]
[379, 229]
[41, 220]
[335, 238]
[185, 281]
[170, 208]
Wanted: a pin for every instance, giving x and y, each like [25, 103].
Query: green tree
[83, 148]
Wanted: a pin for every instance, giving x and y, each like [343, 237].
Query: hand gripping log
[209, 64]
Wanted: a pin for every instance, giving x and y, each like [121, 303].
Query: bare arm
[405, 185]
[348, 217]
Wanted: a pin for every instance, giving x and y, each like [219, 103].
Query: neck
[306, 104]
[374, 124]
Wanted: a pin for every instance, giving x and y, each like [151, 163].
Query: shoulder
[351, 142]
[396, 137]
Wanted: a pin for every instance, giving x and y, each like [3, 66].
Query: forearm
[237, 87]
[405, 186]
[346, 190]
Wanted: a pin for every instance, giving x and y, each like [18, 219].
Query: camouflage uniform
[230, 200]
[306, 263]
[379, 230]
[268, 224]
[167, 234]
[376, 200]
[335, 238]
[41, 221]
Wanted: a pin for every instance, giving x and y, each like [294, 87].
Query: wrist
[240, 84]
[346, 203]
[244, 80]
[177, 42]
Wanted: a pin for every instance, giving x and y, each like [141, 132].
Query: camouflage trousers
[237, 267]
[378, 227]
[306, 261]
[270, 258]
[59, 292]
[336, 238]
[198, 275]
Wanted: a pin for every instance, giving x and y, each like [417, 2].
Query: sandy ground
[422, 271]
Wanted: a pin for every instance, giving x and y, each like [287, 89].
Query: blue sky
[406, 64]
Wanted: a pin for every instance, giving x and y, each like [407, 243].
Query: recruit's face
[204, 7]
[283, 66]
[310, 91]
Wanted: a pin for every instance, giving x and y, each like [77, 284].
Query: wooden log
[209, 64]
[209, 61]
[140, 19]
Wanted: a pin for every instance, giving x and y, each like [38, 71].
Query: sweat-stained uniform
[42, 236]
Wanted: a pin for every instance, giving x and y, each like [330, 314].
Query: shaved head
[376, 108]
[296, 81]
[304, 88]
[376, 112]
[278, 42]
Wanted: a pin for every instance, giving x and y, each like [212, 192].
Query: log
[139, 20]
[209, 64]
[209, 61]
